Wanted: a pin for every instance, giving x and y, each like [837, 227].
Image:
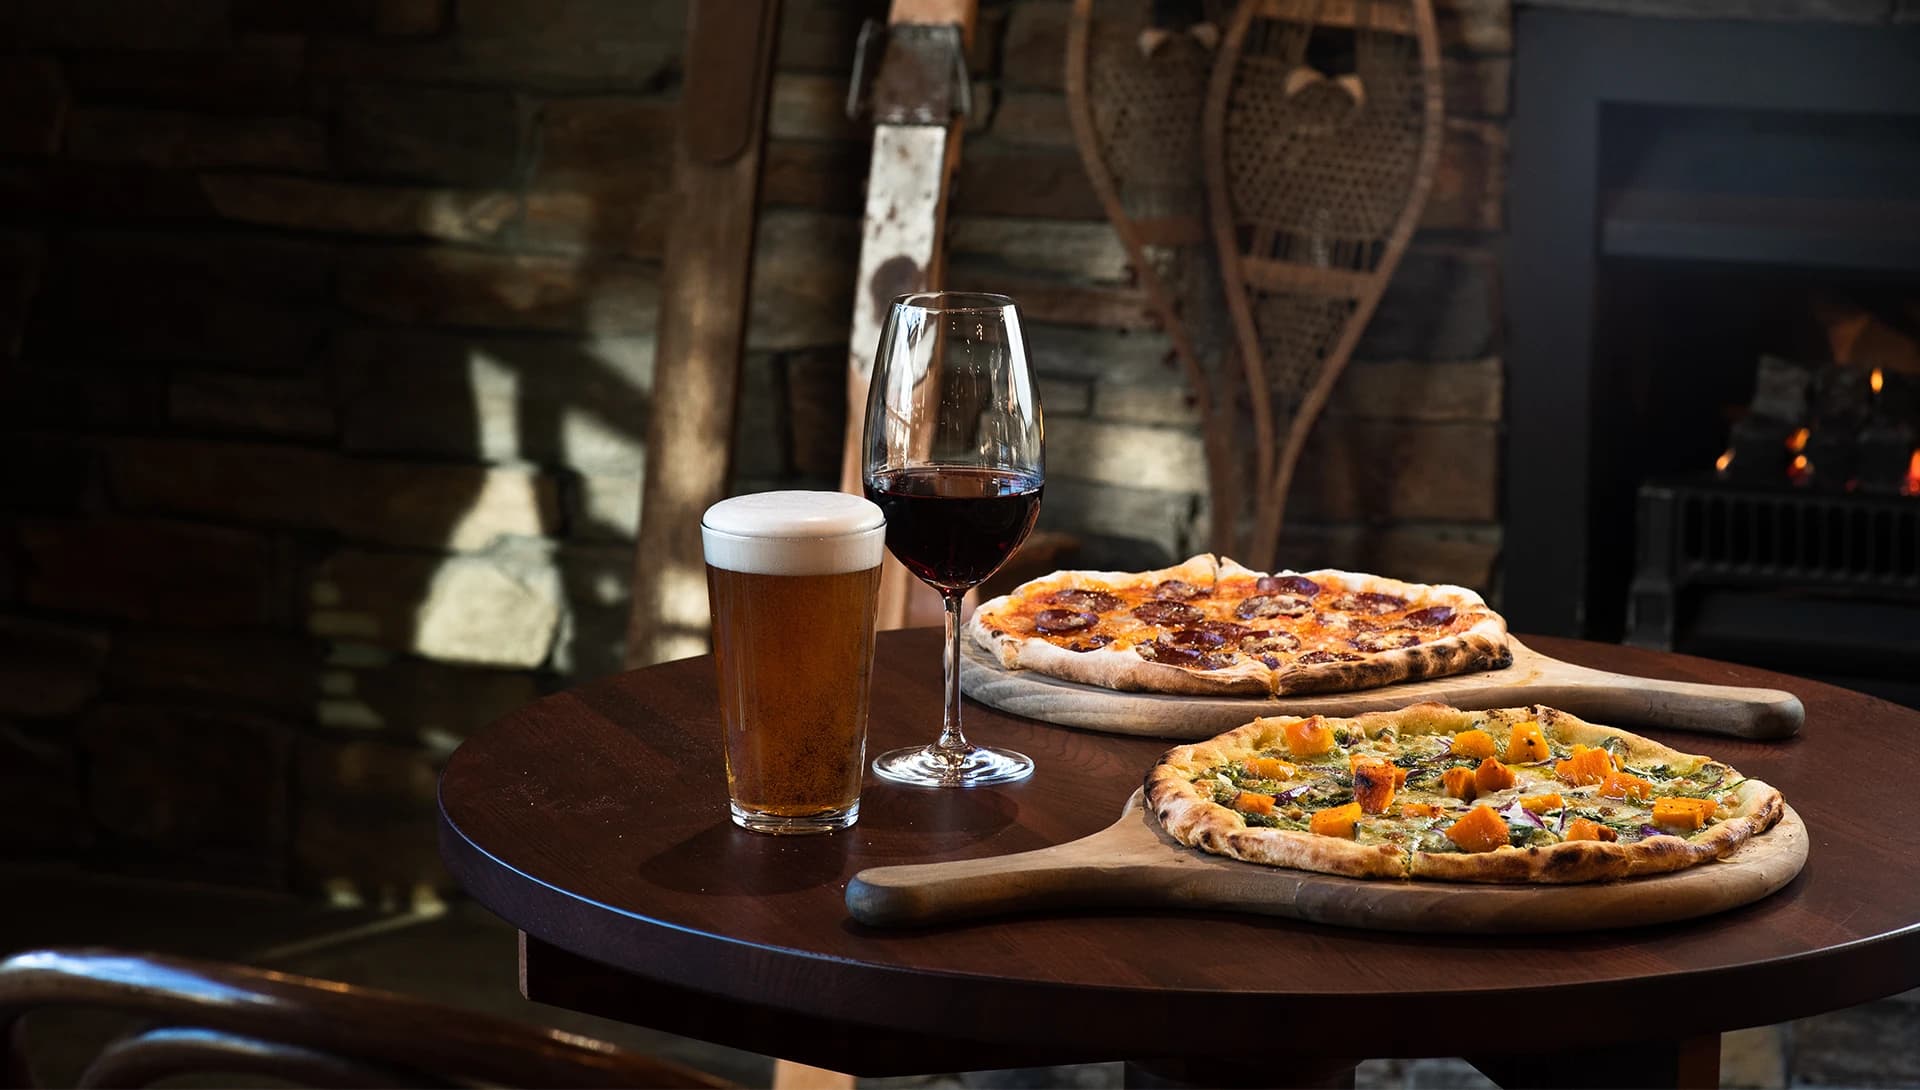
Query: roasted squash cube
[1527, 744]
[1492, 776]
[1473, 743]
[1688, 814]
[1308, 737]
[1335, 821]
[1588, 829]
[1481, 830]
[1625, 785]
[1373, 785]
[1253, 802]
[1355, 760]
[1458, 783]
[1541, 804]
[1269, 768]
[1585, 766]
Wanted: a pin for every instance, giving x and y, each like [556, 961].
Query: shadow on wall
[271, 600]
[328, 344]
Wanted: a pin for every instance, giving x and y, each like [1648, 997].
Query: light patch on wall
[587, 438]
[479, 611]
[496, 403]
[439, 743]
[338, 707]
[582, 405]
[683, 597]
[679, 645]
[347, 715]
[508, 503]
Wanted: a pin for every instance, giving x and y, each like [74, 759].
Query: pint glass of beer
[792, 579]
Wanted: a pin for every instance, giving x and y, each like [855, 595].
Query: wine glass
[953, 456]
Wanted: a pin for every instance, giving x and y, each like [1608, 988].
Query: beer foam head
[794, 533]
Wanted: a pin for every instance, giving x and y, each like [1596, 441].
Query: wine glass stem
[951, 740]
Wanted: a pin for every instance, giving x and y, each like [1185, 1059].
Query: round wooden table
[595, 820]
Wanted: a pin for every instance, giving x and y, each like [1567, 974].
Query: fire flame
[1877, 380]
[1721, 463]
[1912, 487]
[1797, 442]
[1800, 467]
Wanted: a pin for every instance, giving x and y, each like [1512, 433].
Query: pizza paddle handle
[904, 896]
[1602, 697]
[1111, 868]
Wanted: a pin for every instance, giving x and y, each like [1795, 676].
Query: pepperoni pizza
[1211, 626]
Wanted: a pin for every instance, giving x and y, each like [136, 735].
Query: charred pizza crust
[1335, 610]
[1183, 792]
[1116, 665]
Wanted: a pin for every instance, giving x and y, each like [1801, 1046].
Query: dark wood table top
[595, 820]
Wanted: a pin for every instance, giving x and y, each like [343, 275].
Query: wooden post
[916, 145]
[703, 319]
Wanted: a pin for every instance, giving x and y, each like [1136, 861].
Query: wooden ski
[703, 320]
[918, 99]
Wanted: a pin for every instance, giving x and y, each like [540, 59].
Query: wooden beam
[901, 251]
[703, 319]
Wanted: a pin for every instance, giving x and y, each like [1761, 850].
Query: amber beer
[792, 581]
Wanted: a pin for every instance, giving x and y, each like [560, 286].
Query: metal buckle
[921, 77]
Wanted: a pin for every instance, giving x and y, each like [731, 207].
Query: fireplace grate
[1715, 534]
[1838, 541]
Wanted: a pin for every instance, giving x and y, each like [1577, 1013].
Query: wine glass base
[931, 766]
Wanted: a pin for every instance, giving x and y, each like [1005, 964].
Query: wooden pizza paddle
[1134, 864]
[1534, 678]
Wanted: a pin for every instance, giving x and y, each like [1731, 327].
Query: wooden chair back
[208, 1017]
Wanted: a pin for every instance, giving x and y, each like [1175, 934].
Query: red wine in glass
[955, 457]
[953, 526]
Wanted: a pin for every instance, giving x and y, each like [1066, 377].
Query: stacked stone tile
[327, 332]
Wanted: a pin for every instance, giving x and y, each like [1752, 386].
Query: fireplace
[1688, 198]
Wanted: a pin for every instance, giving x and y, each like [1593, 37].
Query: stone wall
[327, 329]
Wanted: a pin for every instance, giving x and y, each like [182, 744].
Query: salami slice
[1185, 656]
[1297, 585]
[1430, 617]
[1369, 602]
[1272, 605]
[1162, 611]
[1063, 620]
[1093, 601]
[1385, 641]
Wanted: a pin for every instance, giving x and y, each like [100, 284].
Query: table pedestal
[1692, 1062]
[1305, 1073]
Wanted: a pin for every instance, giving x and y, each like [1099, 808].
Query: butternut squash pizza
[1211, 626]
[1510, 795]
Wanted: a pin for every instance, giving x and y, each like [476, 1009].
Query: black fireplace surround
[1653, 158]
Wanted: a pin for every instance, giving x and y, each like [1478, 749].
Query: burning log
[1842, 399]
[1842, 405]
[1835, 427]
[1759, 449]
[1896, 395]
[1885, 455]
[1887, 447]
[1780, 388]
